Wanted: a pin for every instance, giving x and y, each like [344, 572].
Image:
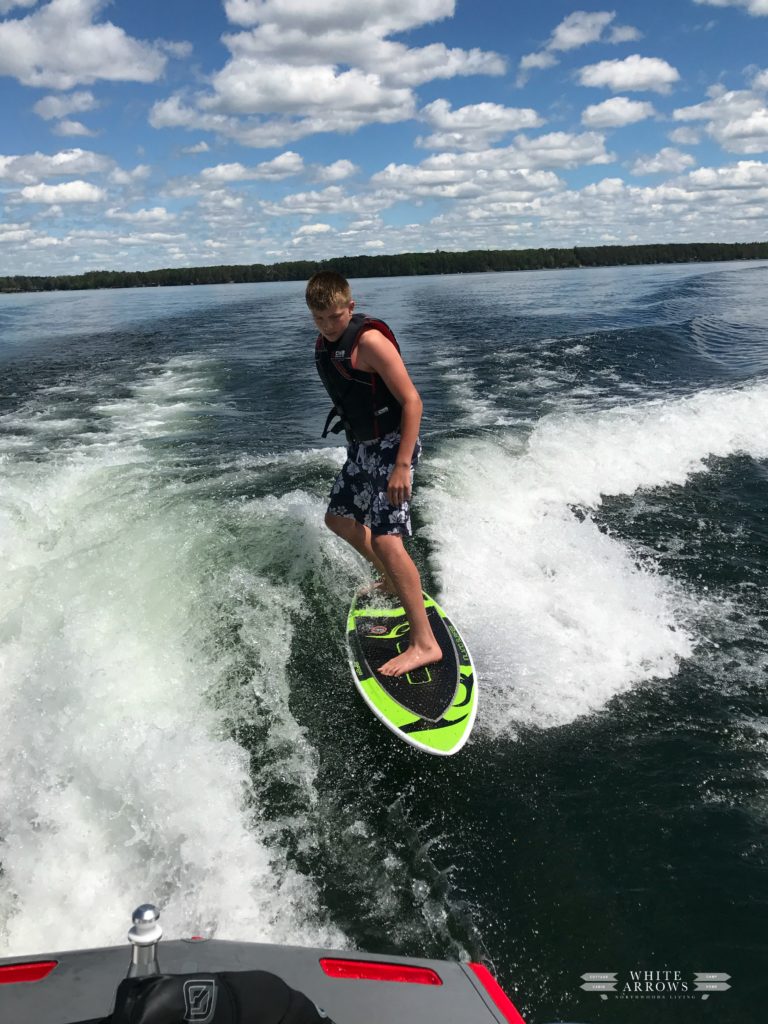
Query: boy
[359, 363]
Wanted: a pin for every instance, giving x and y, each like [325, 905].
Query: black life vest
[365, 406]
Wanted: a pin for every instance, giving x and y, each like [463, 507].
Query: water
[178, 722]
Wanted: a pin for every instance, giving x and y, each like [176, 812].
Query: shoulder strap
[372, 324]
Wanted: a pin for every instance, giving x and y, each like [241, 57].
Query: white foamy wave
[649, 444]
[560, 615]
[167, 401]
[120, 781]
[333, 458]
[475, 408]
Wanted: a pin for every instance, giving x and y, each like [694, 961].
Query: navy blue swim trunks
[360, 490]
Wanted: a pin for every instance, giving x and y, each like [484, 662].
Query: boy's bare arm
[377, 354]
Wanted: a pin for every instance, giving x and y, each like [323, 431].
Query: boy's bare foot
[382, 586]
[413, 657]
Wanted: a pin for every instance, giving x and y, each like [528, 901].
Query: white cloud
[737, 120]
[400, 66]
[514, 174]
[173, 113]
[520, 209]
[540, 59]
[753, 7]
[560, 149]
[280, 167]
[684, 136]
[747, 134]
[199, 147]
[624, 34]
[249, 86]
[746, 174]
[616, 112]
[59, 46]
[119, 176]
[580, 28]
[475, 126]
[151, 236]
[605, 187]
[327, 201]
[257, 132]
[533, 61]
[32, 168]
[58, 107]
[361, 225]
[386, 16]
[314, 229]
[463, 175]
[667, 160]
[305, 68]
[221, 205]
[15, 233]
[397, 65]
[50, 107]
[337, 171]
[704, 205]
[576, 30]
[158, 214]
[45, 242]
[67, 192]
[634, 73]
[69, 128]
[327, 114]
[306, 234]
[760, 81]
[227, 172]
[405, 184]
[8, 5]
[180, 50]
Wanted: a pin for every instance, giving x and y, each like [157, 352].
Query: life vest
[365, 406]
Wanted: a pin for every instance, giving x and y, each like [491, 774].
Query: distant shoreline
[409, 264]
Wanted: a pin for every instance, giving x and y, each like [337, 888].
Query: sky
[139, 134]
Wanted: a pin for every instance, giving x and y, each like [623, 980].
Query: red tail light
[500, 999]
[12, 974]
[371, 970]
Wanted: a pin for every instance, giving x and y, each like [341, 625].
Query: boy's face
[332, 322]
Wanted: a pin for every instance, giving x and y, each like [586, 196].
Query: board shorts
[360, 490]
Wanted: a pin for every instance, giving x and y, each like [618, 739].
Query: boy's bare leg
[359, 536]
[423, 649]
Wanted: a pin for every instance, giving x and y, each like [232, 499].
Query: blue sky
[140, 134]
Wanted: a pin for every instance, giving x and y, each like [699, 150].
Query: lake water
[178, 723]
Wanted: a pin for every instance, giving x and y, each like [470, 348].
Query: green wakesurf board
[432, 708]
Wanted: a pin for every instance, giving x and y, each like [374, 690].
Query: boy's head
[327, 290]
[330, 302]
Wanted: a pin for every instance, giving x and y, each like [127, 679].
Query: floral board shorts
[360, 490]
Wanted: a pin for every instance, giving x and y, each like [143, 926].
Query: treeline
[403, 265]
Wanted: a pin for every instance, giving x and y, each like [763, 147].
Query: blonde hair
[326, 290]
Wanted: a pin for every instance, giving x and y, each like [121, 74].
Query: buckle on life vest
[337, 427]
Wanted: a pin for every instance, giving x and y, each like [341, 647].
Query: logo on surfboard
[390, 632]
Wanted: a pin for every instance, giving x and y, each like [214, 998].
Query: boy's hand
[399, 486]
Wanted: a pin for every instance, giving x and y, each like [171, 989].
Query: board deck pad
[433, 707]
